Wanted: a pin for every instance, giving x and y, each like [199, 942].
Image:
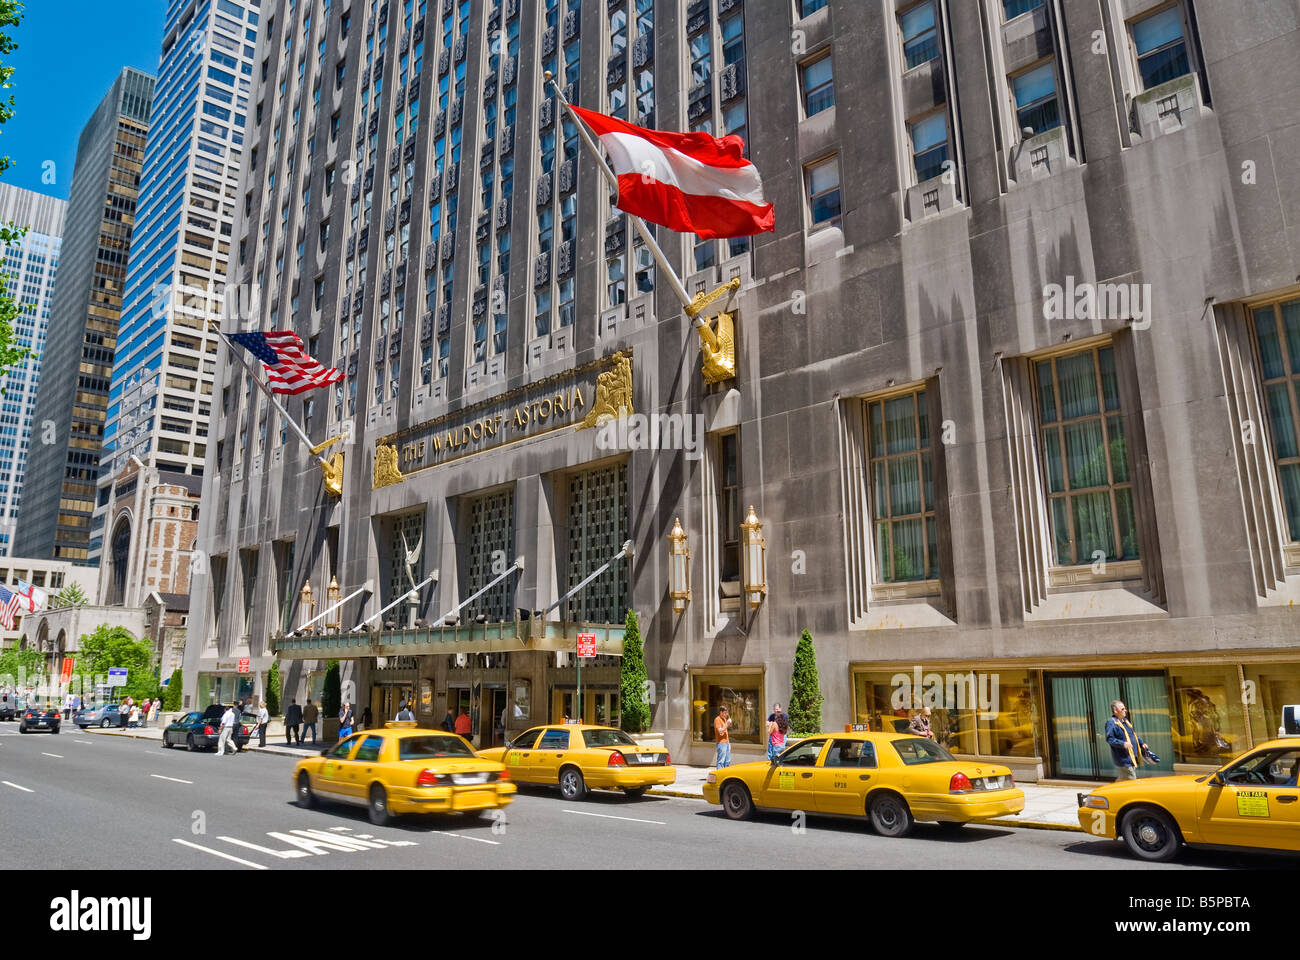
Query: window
[808, 7]
[1085, 458]
[567, 312]
[1014, 8]
[902, 488]
[369, 749]
[818, 86]
[824, 191]
[920, 751]
[1277, 331]
[554, 740]
[929, 145]
[851, 753]
[526, 739]
[1035, 96]
[741, 693]
[616, 281]
[1161, 47]
[542, 313]
[920, 35]
[729, 514]
[803, 754]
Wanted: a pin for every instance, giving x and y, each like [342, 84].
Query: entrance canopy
[500, 637]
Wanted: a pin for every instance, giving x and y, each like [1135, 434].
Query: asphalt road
[85, 801]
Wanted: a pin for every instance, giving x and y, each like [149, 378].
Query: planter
[329, 728]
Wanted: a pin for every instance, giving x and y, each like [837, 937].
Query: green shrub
[635, 703]
[331, 700]
[805, 690]
[172, 698]
[273, 690]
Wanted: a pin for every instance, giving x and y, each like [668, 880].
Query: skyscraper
[30, 268]
[78, 358]
[160, 397]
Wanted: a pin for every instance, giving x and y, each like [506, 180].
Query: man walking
[263, 718]
[345, 721]
[228, 721]
[292, 720]
[309, 715]
[463, 723]
[404, 712]
[1127, 749]
[722, 734]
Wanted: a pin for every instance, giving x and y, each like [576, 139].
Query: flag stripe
[708, 217]
[289, 368]
[635, 155]
[704, 147]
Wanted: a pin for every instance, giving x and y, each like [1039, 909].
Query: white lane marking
[461, 836]
[606, 816]
[86, 742]
[218, 853]
[282, 854]
[159, 776]
[350, 842]
[16, 787]
[56, 756]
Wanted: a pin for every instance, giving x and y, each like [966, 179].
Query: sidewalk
[1046, 807]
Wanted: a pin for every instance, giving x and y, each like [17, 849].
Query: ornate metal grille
[491, 551]
[597, 528]
[410, 527]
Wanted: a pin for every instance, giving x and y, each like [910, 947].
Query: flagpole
[673, 280]
[237, 354]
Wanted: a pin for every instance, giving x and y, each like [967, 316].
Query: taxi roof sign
[401, 723]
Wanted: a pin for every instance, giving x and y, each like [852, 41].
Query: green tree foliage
[273, 690]
[331, 700]
[805, 690]
[11, 13]
[172, 699]
[15, 663]
[635, 703]
[70, 596]
[116, 647]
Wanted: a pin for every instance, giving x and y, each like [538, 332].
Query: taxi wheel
[572, 786]
[736, 801]
[890, 816]
[635, 791]
[306, 798]
[379, 814]
[1150, 835]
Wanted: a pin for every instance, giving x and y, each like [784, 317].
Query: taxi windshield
[426, 748]
[607, 738]
[918, 750]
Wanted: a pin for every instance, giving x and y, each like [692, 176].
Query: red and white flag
[688, 182]
[289, 367]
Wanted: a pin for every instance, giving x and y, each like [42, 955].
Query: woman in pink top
[777, 726]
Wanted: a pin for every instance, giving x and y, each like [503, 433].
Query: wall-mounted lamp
[755, 551]
[332, 595]
[305, 605]
[679, 567]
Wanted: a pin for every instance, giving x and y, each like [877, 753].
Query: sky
[69, 52]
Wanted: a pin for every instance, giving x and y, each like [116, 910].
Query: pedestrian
[367, 719]
[463, 725]
[920, 724]
[135, 716]
[226, 736]
[722, 735]
[292, 721]
[124, 713]
[263, 718]
[449, 722]
[144, 711]
[778, 724]
[345, 721]
[154, 708]
[309, 715]
[1127, 749]
[404, 712]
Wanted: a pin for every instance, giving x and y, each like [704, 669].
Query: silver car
[104, 715]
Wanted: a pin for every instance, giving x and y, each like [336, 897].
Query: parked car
[37, 717]
[8, 706]
[200, 729]
[104, 715]
[580, 757]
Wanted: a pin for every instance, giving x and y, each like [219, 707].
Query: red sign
[586, 644]
[66, 675]
[243, 664]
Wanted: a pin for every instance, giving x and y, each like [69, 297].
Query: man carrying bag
[1127, 749]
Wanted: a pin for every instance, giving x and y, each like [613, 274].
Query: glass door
[1079, 707]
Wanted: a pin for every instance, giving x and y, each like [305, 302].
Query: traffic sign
[243, 664]
[117, 676]
[586, 644]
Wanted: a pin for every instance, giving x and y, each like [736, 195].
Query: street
[87, 801]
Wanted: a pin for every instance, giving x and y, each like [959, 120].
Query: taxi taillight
[428, 778]
[960, 783]
[503, 775]
[617, 759]
[668, 759]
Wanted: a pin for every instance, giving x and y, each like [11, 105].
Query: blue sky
[68, 53]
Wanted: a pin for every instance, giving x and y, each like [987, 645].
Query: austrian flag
[289, 368]
[688, 182]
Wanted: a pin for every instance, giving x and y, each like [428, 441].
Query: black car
[37, 718]
[8, 706]
[200, 730]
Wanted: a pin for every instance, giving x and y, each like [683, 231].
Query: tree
[172, 698]
[15, 664]
[115, 647]
[273, 690]
[634, 684]
[331, 699]
[11, 12]
[70, 596]
[805, 690]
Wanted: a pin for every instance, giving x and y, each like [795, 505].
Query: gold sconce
[679, 567]
[305, 605]
[755, 551]
[333, 621]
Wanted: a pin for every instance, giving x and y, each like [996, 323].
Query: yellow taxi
[890, 778]
[403, 768]
[580, 757]
[1252, 801]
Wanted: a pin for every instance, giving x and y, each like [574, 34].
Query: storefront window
[1270, 686]
[1008, 729]
[741, 694]
[521, 701]
[886, 701]
[1209, 726]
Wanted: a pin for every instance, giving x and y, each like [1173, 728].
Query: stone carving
[613, 393]
[386, 471]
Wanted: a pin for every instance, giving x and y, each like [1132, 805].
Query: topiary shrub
[331, 699]
[273, 690]
[805, 690]
[633, 681]
[172, 698]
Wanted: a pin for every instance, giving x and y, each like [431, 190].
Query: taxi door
[552, 750]
[844, 776]
[1258, 804]
[361, 770]
[519, 756]
[788, 784]
[333, 775]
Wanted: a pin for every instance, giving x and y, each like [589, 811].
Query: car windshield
[430, 748]
[916, 750]
[607, 738]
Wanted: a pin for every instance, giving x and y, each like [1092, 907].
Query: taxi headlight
[1096, 803]
[713, 778]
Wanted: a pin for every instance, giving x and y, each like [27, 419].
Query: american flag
[289, 368]
[9, 604]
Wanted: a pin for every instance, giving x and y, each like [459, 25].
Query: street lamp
[333, 621]
[755, 550]
[305, 605]
[679, 567]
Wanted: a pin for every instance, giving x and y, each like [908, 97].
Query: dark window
[851, 753]
[554, 740]
[526, 739]
[803, 754]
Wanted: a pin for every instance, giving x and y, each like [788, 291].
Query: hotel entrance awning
[467, 638]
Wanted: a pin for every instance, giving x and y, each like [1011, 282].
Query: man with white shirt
[228, 721]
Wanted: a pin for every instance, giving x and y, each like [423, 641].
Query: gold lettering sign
[577, 398]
